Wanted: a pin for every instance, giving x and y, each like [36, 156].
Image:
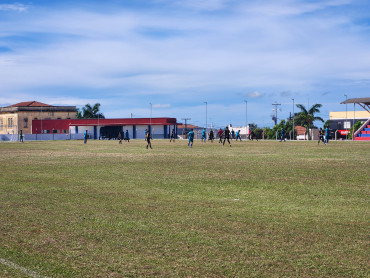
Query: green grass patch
[257, 209]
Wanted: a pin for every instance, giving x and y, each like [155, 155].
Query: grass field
[257, 209]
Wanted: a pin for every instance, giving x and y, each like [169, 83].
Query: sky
[214, 61]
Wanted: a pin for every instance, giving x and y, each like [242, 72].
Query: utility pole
[276, 105]
[150, 126]
[293, 118]
[206, 116]
[346, 119]
[186, 122]
[246, 117]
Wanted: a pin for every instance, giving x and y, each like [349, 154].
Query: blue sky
[178, 54]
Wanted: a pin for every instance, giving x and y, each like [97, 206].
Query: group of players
[323, 135]
[224, 135]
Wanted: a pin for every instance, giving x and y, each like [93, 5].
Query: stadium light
[293, 118]
[346, 119]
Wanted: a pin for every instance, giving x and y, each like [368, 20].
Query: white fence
[40, 137]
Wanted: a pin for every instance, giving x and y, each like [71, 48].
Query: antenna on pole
[276, 105]
[186, 122]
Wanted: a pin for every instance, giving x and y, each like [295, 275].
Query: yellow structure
[350, 115]
[19, 116]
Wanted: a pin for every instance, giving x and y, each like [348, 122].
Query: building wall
[22, 120]
[9, 123]
[349, 115]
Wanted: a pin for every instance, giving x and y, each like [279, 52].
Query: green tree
[89, 112]
[306, 117]
[357, 125]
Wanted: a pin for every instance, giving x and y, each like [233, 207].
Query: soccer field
[257, 209]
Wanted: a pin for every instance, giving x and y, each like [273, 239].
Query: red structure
[101, 127]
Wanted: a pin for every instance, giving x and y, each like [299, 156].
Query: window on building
[59, 118]
[10, 122]
[45, 131]
[51, 113]
[1, 123]
[25, 122]
[35, 118]
[347, 125]
[55, 131]
[65, 130]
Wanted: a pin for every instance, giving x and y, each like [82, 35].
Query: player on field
[226, 136]
[204, 135]
[282, 135]
[220, 133]
[148, 140]
[327, 133]
[120, 136]
[85, 137]
[127, 136]
[321, 136]
[191, 138]
[211, 136]
[172, 135]
[238, 136]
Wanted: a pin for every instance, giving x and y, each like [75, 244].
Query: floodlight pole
[293, 118]
[41, 124]
[246, 118]
[346, 119]
[353, 126]
[206, 116]
[150, 126]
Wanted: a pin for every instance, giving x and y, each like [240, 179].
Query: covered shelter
[363, 102]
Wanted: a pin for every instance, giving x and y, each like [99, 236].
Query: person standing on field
[148, 138]
[321, 136]
[327, 133]
[282, 135]
[226, 136]
[172, 135]
[120, 137]
[21, 136]
[85, 136]
[204, 135]
[211, 136]
[219, 133]
[191, 138]
[127, 136]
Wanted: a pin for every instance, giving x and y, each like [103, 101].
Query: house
[19, 116]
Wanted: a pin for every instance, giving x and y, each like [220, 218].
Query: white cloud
[255, 94]
[161, 105]
[14, 7]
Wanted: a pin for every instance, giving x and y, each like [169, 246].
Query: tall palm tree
[89, 112]
[307, 118]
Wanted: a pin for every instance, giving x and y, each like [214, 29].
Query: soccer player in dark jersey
[148, 140]
[211, 136]
[127, 136]
[172, 135]
[120, 137]
[226, 136]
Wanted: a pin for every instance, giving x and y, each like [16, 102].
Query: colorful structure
[107, 128]
[363, 133]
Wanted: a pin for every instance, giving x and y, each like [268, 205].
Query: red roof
[188, 126]
[30, 104]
